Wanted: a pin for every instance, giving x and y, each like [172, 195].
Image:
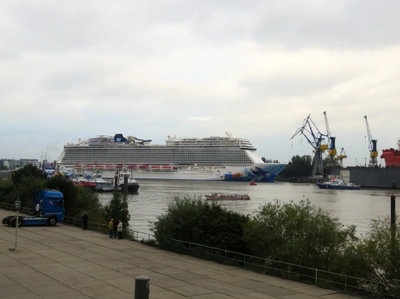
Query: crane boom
[331, 140]
[315, 138]
[372, 146]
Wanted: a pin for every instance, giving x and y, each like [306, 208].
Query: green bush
[300, 234]
[379, 251]
[195, 220]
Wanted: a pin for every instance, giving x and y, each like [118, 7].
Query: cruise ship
[211, 158]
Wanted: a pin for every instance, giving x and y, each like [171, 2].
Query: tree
[118, 209]
[26, 181]
[77, 199]
[6, 186]
[299, 234]
[27, 171]
[298, 167]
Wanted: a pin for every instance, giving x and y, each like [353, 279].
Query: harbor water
[351, 207]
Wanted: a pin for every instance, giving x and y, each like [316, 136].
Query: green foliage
[70, 192]
[77, 199]
[380, 251]
[26, 181]
[6, 186]
[298, 167]
[198, 221]
[27, 188]
[17, 176]
[299, 234]
[23, 185]
[118, 209]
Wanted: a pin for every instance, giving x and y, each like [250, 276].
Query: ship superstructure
[392, 156]
[210, 158]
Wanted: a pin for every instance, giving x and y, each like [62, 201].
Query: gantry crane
[372, 146]
[331, 140]
[314, 137]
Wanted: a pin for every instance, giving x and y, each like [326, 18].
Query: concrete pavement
[67, 262]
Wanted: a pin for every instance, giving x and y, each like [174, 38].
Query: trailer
[49, 210]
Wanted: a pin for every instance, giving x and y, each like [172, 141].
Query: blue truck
[49, 210]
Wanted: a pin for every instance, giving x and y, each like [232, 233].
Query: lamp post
[17, 207]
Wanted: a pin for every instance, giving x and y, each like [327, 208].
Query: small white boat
[223, 196]
[338, 184]
[103, 186]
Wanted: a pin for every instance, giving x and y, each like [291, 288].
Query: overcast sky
[149, 69]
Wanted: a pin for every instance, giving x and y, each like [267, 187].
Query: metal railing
[317, 277]
[103, 228]
[11, 207]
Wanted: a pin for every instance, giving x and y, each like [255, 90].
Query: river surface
[351, 207]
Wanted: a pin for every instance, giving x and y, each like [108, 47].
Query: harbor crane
[316, 139]
[331, 140]
[372, 146]
[341, 156]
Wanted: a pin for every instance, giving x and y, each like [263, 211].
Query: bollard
[125, 183]
[393, 222]
[393, 209]
[116, 181]
[142, 287]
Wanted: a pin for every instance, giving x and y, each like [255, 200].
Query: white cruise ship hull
[210, 159]
[264, 172]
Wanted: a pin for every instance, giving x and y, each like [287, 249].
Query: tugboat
[338, 184]
[133, 185]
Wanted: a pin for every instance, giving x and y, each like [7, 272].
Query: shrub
[379, 251]
[195, 220]
[299, 234]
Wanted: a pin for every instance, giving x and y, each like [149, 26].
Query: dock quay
[67, 262]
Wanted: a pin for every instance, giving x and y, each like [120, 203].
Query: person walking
[115, 229]
[111, 228]
[119, 229]
[85, 221]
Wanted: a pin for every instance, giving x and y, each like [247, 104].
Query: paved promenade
[67, 262]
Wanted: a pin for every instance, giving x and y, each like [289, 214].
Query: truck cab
[49, 210]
